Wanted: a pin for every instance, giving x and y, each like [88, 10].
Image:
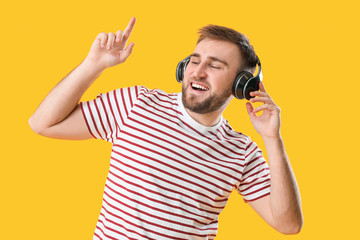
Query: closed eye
[216, 67]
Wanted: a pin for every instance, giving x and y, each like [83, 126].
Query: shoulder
[235, 135]
[156, 92]
[156, 95]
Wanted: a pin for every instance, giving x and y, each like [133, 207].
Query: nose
[200, 71]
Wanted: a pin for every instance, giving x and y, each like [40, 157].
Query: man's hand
[59, 115]
[110, 49]
[268, 123]
[282, 208]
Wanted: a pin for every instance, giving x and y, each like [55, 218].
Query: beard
[211, 103]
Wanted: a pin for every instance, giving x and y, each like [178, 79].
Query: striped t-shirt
[169, 176]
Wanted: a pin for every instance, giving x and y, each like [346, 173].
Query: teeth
[195, 85]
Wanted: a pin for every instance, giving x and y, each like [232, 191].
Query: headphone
[244, 82]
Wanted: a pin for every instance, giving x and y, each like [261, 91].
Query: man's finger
[110, 41]
[119, 35]
[250, 110]
[261, 86]
[126, 34]
[259, 99]
[103, 39]
[130, 26]
[126, 53]
[258, 94]
[266, 106]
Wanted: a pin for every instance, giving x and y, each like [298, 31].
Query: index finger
[261, 86]
[128, 29]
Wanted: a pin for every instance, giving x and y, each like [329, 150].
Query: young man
[175, 160]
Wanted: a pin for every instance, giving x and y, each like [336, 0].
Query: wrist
[92, 66]
[276, 139]
[275, 150]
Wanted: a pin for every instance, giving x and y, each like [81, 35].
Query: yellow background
[52, 189]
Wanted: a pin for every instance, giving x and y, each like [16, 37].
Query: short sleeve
[255, 180]
[106, 114]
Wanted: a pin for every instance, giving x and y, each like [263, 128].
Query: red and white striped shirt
[169, 176]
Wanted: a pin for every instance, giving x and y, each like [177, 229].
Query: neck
[207, 119]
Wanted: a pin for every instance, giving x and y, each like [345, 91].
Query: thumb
[126, 53]
[250, 110]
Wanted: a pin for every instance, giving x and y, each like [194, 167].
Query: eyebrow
[211, 58]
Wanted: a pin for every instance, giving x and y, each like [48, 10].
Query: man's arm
[282, 208]
[59, 115]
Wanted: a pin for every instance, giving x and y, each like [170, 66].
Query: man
[175, 160]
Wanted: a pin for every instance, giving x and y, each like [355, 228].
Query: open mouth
[199, 87]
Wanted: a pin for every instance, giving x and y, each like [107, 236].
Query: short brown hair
[227, 34]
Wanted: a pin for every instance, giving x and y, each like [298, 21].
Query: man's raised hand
[268, 123]
[109, 49]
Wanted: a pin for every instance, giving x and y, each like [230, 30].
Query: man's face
[209, 76]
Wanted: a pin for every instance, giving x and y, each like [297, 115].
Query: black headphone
[244, 82]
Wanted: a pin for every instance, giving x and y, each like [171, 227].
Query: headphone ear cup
[239, 84]
[251, 85]
[180, 69]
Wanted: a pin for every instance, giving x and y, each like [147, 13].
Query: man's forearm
[65, 96]
[285, 197]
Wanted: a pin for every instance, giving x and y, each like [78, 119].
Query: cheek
[187, 73]
[225, 87]
[231, 79]
[226, 81]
